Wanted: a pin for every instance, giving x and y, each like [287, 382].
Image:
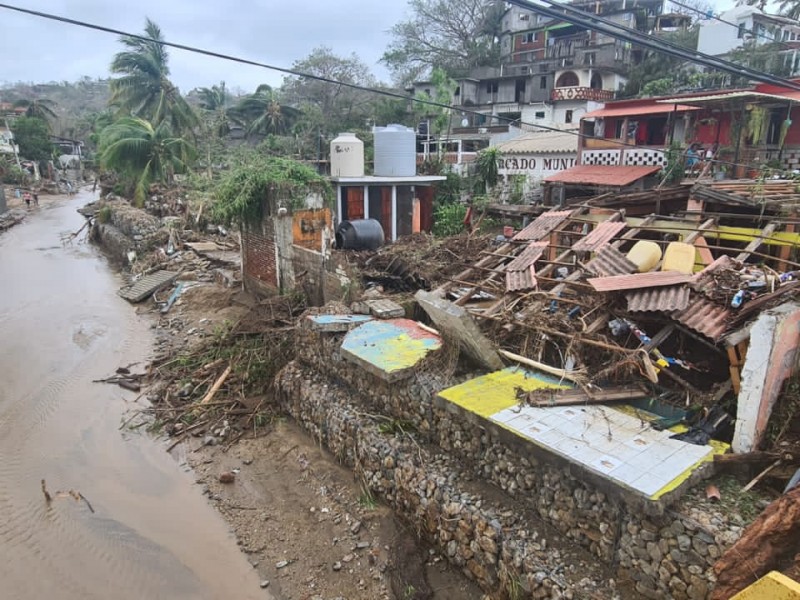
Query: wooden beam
[545, 397]
[756, 243]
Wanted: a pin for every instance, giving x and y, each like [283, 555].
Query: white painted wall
[536, 166]
[720, 38]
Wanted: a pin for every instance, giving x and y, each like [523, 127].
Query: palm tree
[144, 153]
[39, 108]
[215, 101]
[144, 89]
[263, 113]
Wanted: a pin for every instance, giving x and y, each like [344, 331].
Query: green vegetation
[143, 88]
[263, 113]
[32, 135]
[448, 219]
[142, 153]
[38, 108]
[454, 35]
[243, 191]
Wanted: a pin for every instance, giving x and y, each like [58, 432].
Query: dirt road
[152, 534]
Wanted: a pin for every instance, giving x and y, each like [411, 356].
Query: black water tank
[360, 234]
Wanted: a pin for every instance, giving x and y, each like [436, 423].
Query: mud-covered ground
[306, 525]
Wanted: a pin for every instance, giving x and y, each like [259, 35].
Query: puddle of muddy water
[152, 535]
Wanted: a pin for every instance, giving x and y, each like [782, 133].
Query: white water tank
[395, 151]
[347, 156]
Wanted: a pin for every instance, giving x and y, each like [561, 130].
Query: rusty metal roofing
[603, 175]
[543, 225]
[520, 272]
[528, 256]
[521, 280]
[705, 317]
[613, 110]
[638, 280]
[610, 261]
[599, 236]
[704, 279]
[662, 299]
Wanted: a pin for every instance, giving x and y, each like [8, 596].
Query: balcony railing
[580, 93]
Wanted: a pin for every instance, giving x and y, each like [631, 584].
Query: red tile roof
[613, 176]
[637, 281]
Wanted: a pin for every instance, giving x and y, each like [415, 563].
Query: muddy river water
[152, 534]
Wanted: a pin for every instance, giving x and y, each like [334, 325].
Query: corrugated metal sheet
[520, 272]
[663, 299]
[528, 256]
[638, 280]
[543, 224]
[614, 176]
[703, 280]
[521, 280]
[705, 317]
[541, 142]
[609, 261]
[601, 235]
[613, 109]
[148, 285]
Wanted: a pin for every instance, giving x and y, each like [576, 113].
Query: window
[457, 92]
[742, 30]
[589, 58]
[543, 82]
[491, 87]
[530, 38]
[568, 116]
[568, 79]
[427, 91]
[543, 68]
[785, 34]
[539, 114]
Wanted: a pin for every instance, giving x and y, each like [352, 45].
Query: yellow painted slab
[773, 586]
[496, 391]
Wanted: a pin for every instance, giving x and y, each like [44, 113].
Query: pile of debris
[418, 262]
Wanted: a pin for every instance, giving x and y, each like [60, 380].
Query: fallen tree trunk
[774, 537]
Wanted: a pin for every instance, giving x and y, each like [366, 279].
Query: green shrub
[448, 219]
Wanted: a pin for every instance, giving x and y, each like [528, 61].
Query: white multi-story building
[750, 24]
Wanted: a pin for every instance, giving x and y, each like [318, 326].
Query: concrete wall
[666, 550]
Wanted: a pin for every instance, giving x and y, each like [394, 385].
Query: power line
[710, 15]
[296, 73]
[586, 20]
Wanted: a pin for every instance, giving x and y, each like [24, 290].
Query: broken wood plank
[214, 388]
[563, 374]
[756, 243]
[543, 398]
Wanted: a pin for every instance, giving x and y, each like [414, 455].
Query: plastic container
[645, 255]
[347, 156]
[359, 234]
[395, 151]
[679, 257]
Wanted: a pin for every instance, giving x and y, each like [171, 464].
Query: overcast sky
[271, 31]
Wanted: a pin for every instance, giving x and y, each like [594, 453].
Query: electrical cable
[710, 15]
[296, 73]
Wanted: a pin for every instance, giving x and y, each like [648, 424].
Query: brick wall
[259, 257]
